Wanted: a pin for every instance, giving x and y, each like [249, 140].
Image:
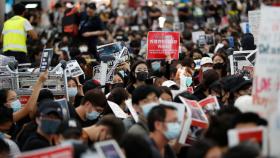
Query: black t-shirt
[35, 141]
[85, 123]
[90, 24]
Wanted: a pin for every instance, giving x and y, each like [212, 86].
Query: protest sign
[186, 126]
[254, 23]
[46, 59]
[199, 121]
[162, 43]
[245, 27]
[266, 82]
[267, 69]
[178, 26]
[73, 69]
[113, 55]
[210, 104]
[196, 35]
[57, 152]
[241, 59]
[108, 149]
[65, 109]
[118, 112]
[132, 110]
[257, 135]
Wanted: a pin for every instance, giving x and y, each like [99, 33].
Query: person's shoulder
[137, 129]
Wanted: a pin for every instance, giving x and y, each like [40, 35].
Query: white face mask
[72, 91]
[206, 68]
[83, 49]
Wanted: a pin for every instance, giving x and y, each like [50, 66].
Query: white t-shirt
[14, 150]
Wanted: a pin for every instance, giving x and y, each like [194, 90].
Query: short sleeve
[27, 26]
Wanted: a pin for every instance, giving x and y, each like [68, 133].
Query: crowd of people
[75, 30]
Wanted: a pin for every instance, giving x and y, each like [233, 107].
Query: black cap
[49, 106]
[235, 83]
[92, 6]
[70, 127]
[91, 84]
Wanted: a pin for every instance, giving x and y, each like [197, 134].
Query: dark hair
[245, 149]
[209, 77]
[115, 125]
[157, 113]
[6, 115]
[92, 6]
[200, 148]
[136, 147]
[4, 147]
[19, 9]
[132, 78]
[248, 117]
[164, 89]
[187, 61]
[3, 96]
[73, 79]
[96, 97]
[118, 95]
[220, 124]
[142, 92]
[45, 94]
[196, 51]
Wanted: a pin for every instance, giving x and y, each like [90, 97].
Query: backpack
[70, 22]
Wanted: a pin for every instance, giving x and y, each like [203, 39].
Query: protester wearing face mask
[49, 117]
[141, 98]
[118, 81]
[10, 99]
[220, 64]
[6, 122]
[91, 108]
[164, 127]
[138, 75]
[205, 64]
[75, 91]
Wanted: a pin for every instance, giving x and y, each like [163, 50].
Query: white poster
[254, 23]
[267, 71]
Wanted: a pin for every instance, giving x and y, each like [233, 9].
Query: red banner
[57, 152]
[161, 44]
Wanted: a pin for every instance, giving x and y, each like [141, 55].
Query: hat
[244, 103]
[206, 60]
[70, 127]
[92, 6]
[168, 83]
[91, 84]
[235, 83]
[49, 106]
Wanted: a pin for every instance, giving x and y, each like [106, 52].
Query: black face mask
[117, 85]
[219, 66]
[142, 76]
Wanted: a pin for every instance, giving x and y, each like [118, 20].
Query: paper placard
[118, 112]
[161, 43]
[196, 35]
[132, 110]
[57, 152]
[65, 109]
[257, 135]
[239, 59]
[46, 59]
[210, 104]
[254, 22]
[73, 69]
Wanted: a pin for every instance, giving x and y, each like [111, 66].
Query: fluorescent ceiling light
[31, 5]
